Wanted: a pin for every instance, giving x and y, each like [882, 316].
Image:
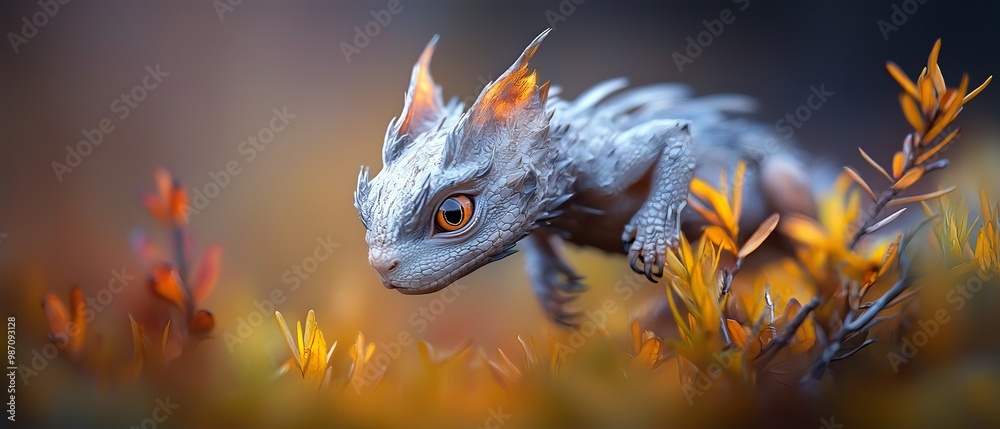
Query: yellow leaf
[927, 98]
[718, 201]
[944, 142]
[761, 234]
[912, 112]
[861, 182]
[736, 332]
[717, 235]
[976, 92]
[739, 177]
[700, 208]
[984, 206]
[874, 164]
[803, 229]
[933, 57]
[938, 79]
[649, 353]
[137, 349]
[920, 198]
[908, 179]
[949, 115]
[897, 165]
[902, 79]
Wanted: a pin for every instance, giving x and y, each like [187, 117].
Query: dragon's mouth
[420, 287]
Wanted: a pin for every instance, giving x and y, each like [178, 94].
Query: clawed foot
[648, 236]
[556, 285]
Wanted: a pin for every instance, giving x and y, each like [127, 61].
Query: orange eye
[454, 213]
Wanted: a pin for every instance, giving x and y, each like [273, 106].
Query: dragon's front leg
[663, 150]
[554, 281]
[659, 151]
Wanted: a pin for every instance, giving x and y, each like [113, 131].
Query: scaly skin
[611, 167]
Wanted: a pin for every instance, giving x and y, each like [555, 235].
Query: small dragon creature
[459, 188]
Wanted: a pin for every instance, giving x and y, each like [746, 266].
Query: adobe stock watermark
[123, 106]
[831, 423]
[292, 279]
[625, 288]
[30, 27]
[222, 7]
[563, 10]
[900, 15]
[704, 380]
[162, 410]
[420, 319]
[496, 418]
[363, 34]
[255, 143]
[958, 297]
[792, 121]
[714, 28]
[95, 304]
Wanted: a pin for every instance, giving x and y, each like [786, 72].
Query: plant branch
[773, 347]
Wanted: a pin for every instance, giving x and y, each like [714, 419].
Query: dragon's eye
[454, 213]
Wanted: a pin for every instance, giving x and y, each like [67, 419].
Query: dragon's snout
[384, 264]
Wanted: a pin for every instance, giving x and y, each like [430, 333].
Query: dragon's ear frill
[422, 107]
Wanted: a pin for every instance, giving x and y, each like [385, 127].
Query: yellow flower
[726, 208]
[363, 373]
[827, 239]
[309, 352]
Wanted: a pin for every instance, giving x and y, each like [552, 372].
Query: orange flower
[169, 203]
[67, 327]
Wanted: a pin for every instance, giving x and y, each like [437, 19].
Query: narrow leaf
[803, 229]
[944, 142]
[289, 339]
[739, 176]
[761, 234]
[902, 79]
[922, 197]
[861, 182]
[908, 179]
[897, 165]
[737, 333]
[912, 112]
[874, 164]
[882, 223]
[976, 92]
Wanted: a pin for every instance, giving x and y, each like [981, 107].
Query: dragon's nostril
[384, 265]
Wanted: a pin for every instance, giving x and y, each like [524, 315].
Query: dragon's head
[458, 188]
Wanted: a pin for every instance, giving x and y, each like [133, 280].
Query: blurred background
[226, 68]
